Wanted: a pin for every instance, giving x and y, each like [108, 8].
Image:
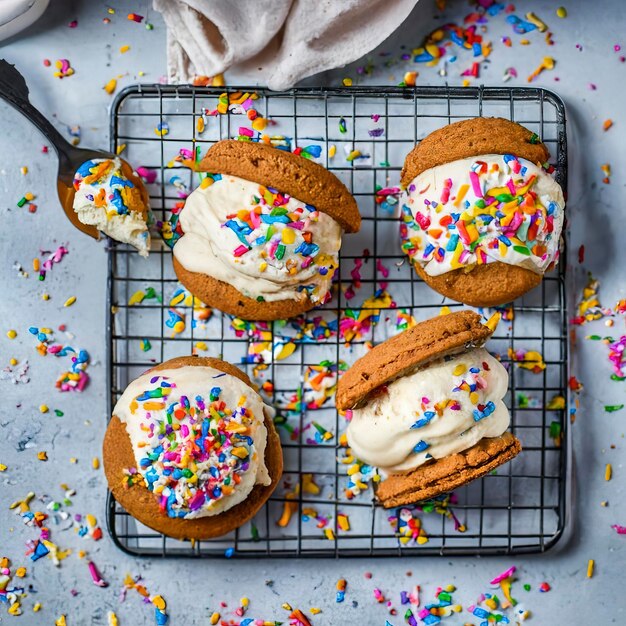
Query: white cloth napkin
[287, 40]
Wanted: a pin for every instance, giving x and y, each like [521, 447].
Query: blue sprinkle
[452, 243]
[420, 446]
[229, 552]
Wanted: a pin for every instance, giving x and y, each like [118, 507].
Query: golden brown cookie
[468, 138]
[482, 285]
[477, 285]
[142, 504]
[291, 173]
[220, 295]
[444, 475]
[427, 341]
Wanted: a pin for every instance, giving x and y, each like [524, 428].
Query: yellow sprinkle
[330, 535]
[218, 81]
[287, 350]
[124, 49]
[215, 618]
[561, 12]
[288, 235]
[37, 607]
[200, 125]
[24, 170]
[608, 472]
[347, 82]
[120, 149]
[113, 621]
[474, 397]
[533, 19]
[91, 520]
[343, 521]
[42, 456]
[95, 463]
[590, 568]
[315, 610]
[70, 301]
[13, 361]
[111, 86]
[287, 606]
[493, 321]
[240, 452]
[15, 609]
[445, 310]
[45, 296]
[201, 345]
[43, 408]
[11, 334]
[259, 124]
[459, 370]
[332, 150]
[3, 468]
[61, 621]
[20, 572]
[206, 182]
[29, 196]
[159, 602]
[136, 298]
[73, 460]
[308, 485]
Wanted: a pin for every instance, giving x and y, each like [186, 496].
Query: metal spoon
[13, 90]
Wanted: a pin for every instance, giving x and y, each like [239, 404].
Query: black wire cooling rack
[523, 507]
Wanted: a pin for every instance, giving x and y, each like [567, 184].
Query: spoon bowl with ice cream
[99, 191]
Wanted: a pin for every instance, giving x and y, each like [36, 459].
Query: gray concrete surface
[193, 589]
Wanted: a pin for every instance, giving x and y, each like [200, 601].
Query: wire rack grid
[521, 508]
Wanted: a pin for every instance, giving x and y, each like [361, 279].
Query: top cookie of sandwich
[427, 341]
[291, 173]
[468, 138]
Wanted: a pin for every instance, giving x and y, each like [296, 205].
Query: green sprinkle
[522, 250]
[270, 232]
[187, 473]
[616, 377]
[480, 204]
[611, 408]
[254, 531]
[594, 337]
[555, 430]
[280, 251]
[279, 210]
[527, 587]
[21, 203]
[534, 138]
[504, 197]
[58, 413]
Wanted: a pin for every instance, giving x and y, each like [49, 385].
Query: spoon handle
[13, 90]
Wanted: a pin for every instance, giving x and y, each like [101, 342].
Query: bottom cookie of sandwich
[444, 475]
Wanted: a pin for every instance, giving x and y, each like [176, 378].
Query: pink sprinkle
[381, 268]
[255, 219]
[148, 175]
[593, 86]
[617, 47]
[73, 24]
[478, 192]
[186, 153]
[620, 530]
[445, 194]
[511, 185]
[240, 250]
[348, 417]
[245, 131]
[506, 574]
[388, 191]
